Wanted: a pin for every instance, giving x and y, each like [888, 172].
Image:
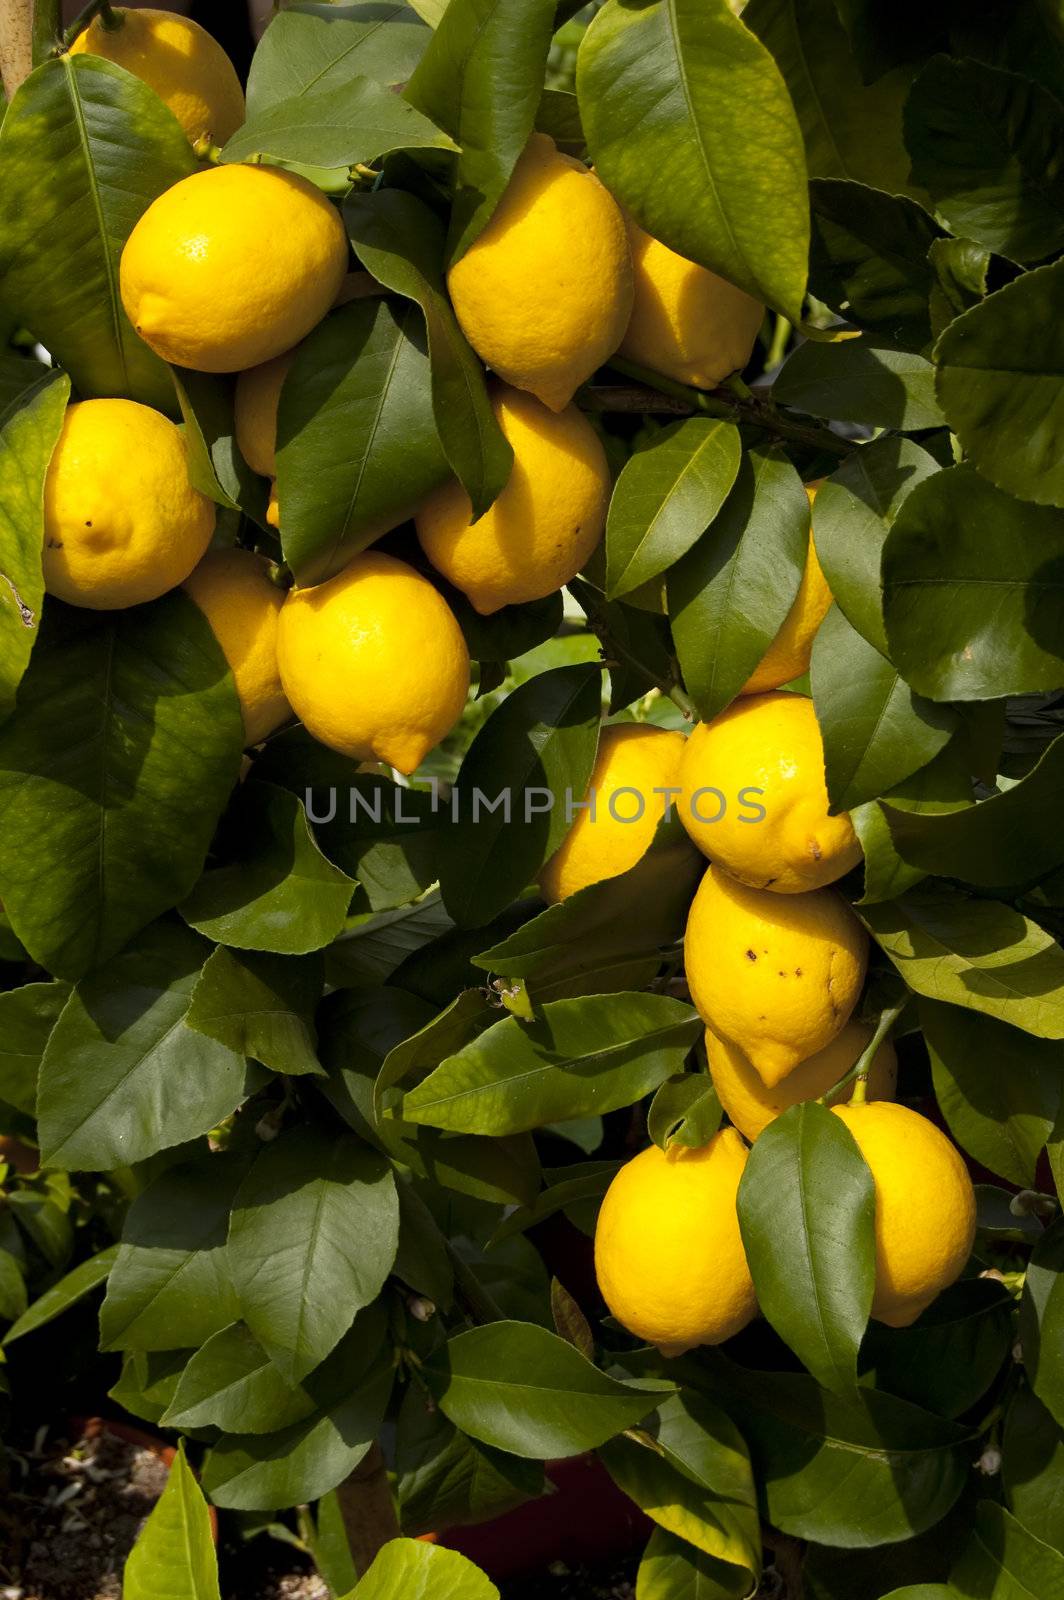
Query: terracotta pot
[93, 1427]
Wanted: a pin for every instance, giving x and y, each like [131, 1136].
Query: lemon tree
[531, 758]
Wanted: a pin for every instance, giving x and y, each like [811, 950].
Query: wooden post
[16, 43]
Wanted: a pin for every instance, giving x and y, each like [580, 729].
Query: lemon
[544, 293]
[546, 521]
[373, 661]
[686, 322]
[751, 1105]
[790, 652]
[668, 1254]
[122, 520]
[765, 754]
[188, 70]
[232, 266]
[633, 761]
[925, 1207]
[779, 975]
[233, 590]
[255, 402]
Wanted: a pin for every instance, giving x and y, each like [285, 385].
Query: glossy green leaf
[13, 1291]
[576, 1057]
[886, 875]
[357, 447]
[951, 1355]
[1003, 1561]
[522, 1389]
[691, 126]
[260, 1006]
[672, 1569]
[336, 125]
[998, 378]
[446, 1478]
[399, 240]
[232, 1384]
[123, 1075]
[1042, 1319]
[376, 944]
[422, 1572]
[667, 494]
[313, 48]
[71, 1288]
[85, 149]
[121, 718]
[685, 1110]
[312, 1239]
[481, 79]
[973, 583]
[861, 380]
[730, 595]
[869, 259]
[27, 1017]
[174, 1553]
[215, 464]
[536, 750]
[1032, 1467]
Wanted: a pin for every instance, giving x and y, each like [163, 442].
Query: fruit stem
[863, 1065]
[103, 9]
[682, 699]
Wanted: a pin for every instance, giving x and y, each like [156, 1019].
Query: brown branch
[753, 411]
[368, 1509]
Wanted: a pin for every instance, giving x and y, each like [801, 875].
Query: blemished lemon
[186, 67]
[233, 590]
[686, 323]
[925, 1207]
[789, 654]
[123, 522]
[544, 293]
[765, 753]
[373, 662]
[779, 975]
[255, 403]
[232, 266]
[546, 521]
[633, 761]
[668, 1254]
[752, 1105]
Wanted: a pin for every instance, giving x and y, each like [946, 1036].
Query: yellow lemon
[544, 293]
[546, 521]
[633, 762]
[925, 1207]
[752, 1105]
[668, 1254]
[255, 402]
[232, 266]
[686, 322]
[233, 590]
[789, 654]
[373, 662]
[173, 55]
[122, 520]
[777, 974]
[754, 797]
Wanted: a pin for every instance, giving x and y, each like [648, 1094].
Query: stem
[471, 1291]
[16, 44]
[47, 29]
[368, 1509]
[780, 335]
[862, 1066]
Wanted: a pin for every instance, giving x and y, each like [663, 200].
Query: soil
[561, 1582]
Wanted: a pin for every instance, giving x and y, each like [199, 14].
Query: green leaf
[312, 1238]
[422, 1571]
[215, 464]
[973, 583]
[869, 259]
[685, 1110]
[951, 1355]
[29, 429]
[13, 1292]
[122, 718]
[666, 495]
[401, 242]
[1003, 1561]
[517, 1387]
[27, 1017]
[375, 945]
[691, 126]
[536, 750]
[576, 1057]
[807, 1214]
[122, 1074]
[730, 595]
[876, 731]
[1032, 1467]
[985, 144]
[72, 1287]
[445, 1479]
[232, 1384]
[852, 515]
[170, 1286]
[304, 51]
[280, 894]
[357, 447]
[174, 1552]
[147, 1381]
[974, 953]
[481, 78]
[336, 125]
[960, 267]
[998, 378]
[671, 1569]
[260, 1006]
[861, 380]
[86, 147]
[1042, 1319]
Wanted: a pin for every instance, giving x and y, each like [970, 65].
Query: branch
[368, 1509]
[16, 43]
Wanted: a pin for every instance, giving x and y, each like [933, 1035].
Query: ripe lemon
[777, 974]
[546, 521]
[373, 662]
[790, 652]
[686, 322]
[765, 752]
[668, 1254]
[544, 294]
[751, 1105]
[255, 402]
[633, 761]
[122, 521]
[233, 590]
[925, 1207]
[232, 266]
[177, 58]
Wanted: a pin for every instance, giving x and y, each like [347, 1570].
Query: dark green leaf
[174, 1552]
[1003, 1561]
[951, 1355]
[27, 1017]
[861, 380]
[960, 267]
[1042, 1319]
[375, 945]
[215, 464]
[232, 1384]
[13, 1292]
[336, 125]
[147, 1382]
[260, 1006]
[322, 47]
[869, 259]
[446, 1479]
[1032, 1467]
[672, 1569]
[72, 1287]
[685, 1110]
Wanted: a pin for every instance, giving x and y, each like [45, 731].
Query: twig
[95, 8]
[863, 1065]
